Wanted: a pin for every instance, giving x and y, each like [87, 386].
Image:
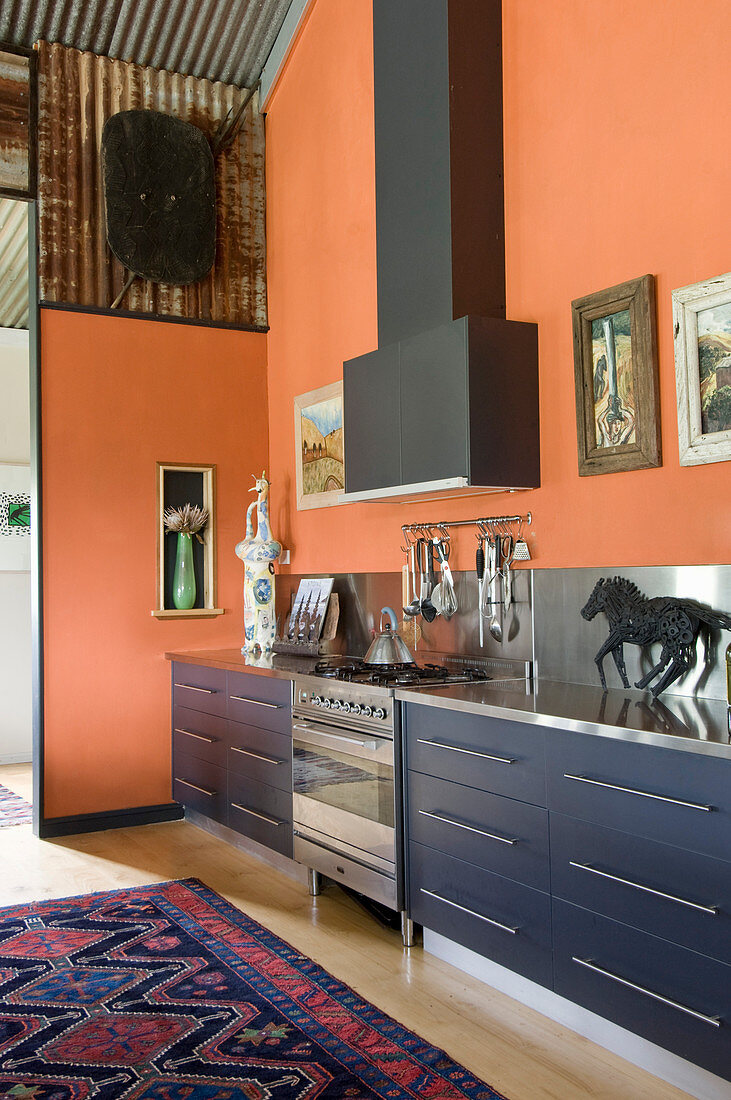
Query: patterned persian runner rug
[167, 992]
[14, 810]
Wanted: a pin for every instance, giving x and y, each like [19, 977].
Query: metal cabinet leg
[314, 882]
[407, 930]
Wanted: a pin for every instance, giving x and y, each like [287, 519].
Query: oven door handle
[310, 734]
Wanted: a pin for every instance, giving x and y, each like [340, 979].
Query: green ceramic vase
[184, 575]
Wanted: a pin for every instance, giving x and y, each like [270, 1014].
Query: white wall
[15, 634]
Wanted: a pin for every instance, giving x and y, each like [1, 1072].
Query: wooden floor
[519, 1052]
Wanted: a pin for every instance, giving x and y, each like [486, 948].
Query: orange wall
[614, 167]
[118, 396]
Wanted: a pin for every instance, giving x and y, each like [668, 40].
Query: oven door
[343, 784]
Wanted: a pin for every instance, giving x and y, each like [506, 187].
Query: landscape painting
[615, 409]
[714, 368]
[319, 458]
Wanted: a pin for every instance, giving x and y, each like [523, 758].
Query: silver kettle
[387, 648]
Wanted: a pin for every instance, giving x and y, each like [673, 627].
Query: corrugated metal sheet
[227, 40]
[14, 121]
[77, 92]
[13, 264]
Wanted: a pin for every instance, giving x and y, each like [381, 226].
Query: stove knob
[326, 703]
[345, 707]
[367, 712]
[355, 709]
[317, 700]
[379, 713]
[335, 704]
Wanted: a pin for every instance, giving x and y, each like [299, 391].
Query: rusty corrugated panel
[77, 93]
[14, 122]
[227, 40]
[13, 264]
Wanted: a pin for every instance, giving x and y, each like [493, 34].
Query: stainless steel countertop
[673, 721]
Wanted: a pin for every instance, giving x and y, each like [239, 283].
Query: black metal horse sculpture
[673, 622]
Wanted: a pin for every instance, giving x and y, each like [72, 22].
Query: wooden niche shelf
[178, 484]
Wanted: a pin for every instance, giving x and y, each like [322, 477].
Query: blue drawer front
[260, 754]
[691, 902]
[199, 688]
[468, 905]
[489, 830]
[260, 701]
[200, 785]
[201, 735]
[499, 756]
[261, 812]
[678, 798]
[663, 972]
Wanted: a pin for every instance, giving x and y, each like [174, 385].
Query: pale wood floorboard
[516, 1050]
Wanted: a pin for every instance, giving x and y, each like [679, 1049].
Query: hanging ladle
[414, 607]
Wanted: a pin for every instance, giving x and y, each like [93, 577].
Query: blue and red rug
[167, 992]
[14, 810]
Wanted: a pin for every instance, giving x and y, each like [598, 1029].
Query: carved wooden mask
[159, 194]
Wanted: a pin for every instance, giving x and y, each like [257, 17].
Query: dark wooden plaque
[160, 196]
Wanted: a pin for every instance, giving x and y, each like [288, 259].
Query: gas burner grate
[400, 675]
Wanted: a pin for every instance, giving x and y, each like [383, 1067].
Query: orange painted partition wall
[118, 396]
[615, 116]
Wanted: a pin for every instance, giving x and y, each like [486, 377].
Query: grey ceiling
[226, 40]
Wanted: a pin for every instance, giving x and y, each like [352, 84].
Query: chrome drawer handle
[642, 794]
[712, 909]
[257, 755]
[199, 736]
[262, 817]
[469, 828]
[469, 752]
[472, 913]
[256, 702]
[714, 1021]
[192, 687]
[211, 794]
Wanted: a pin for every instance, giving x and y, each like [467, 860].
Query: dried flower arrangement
[187, 519]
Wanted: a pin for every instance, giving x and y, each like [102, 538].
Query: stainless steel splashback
[362, 595]
[565, 644]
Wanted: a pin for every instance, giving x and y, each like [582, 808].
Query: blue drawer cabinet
[679, 798]
[503, 920]
[232, 750]
[672, 893]
[496, 833]
[505, 758]
[200, 688]
[674, 997]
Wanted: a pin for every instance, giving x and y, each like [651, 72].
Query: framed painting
[702, 328]
[616, 378]
[319, 458]
[15, 518]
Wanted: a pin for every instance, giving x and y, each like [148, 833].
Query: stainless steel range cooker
[347, 804]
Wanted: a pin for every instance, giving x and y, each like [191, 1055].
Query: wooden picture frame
[181, 483]
[318, 440]
[616, 378]
[702, 328]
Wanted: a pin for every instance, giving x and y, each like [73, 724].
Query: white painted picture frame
[701, 312]
[330, 399]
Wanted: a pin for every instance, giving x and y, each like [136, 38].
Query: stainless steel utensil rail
[486, 521]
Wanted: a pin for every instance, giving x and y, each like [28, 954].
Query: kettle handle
[392, 616]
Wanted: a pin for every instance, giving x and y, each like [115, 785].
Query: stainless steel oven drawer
[347, 872]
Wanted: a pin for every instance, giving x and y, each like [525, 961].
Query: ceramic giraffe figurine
[259, 552]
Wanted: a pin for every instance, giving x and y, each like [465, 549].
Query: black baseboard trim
[167, 318]
[110, 819]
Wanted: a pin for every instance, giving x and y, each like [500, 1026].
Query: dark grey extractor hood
[449, 399]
